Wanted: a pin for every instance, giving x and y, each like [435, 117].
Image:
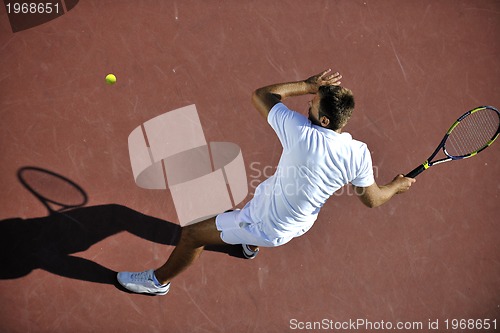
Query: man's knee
[190, 235]
[201, 233]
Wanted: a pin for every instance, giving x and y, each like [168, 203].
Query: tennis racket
[473, 132]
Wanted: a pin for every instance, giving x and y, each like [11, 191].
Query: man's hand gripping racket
[473, 132]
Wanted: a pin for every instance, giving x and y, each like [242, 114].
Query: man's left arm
[266, 97]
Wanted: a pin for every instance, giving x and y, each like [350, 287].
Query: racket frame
[428, 163]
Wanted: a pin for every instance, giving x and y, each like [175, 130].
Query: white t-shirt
[315, 163]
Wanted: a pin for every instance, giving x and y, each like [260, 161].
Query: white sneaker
[248, 252]
[142, 282]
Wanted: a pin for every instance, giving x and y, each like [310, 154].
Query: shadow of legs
[79, 269]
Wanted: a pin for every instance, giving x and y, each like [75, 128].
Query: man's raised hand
[323, 79]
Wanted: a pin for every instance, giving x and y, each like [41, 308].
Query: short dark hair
[337, 104]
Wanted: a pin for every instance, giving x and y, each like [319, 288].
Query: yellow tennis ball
[110, 79]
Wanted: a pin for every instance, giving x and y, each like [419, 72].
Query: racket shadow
[50, 242]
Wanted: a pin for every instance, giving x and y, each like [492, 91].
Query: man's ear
[324, 121]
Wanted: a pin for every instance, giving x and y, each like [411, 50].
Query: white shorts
[237, 228]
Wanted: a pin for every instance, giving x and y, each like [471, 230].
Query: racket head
[474, 131]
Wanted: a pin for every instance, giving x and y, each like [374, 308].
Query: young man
[317, 160]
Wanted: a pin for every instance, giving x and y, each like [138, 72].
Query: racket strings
[472, 133]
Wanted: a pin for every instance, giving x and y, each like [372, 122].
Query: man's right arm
[266, 97]
[375, 195]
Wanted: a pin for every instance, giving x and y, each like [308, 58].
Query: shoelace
[141, 276]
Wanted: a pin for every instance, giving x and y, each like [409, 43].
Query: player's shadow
[49, 242]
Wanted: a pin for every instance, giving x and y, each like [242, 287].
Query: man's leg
[193, 239]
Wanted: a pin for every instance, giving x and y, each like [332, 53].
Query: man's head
[331, 107]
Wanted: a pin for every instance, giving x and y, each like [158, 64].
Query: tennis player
[317, 160]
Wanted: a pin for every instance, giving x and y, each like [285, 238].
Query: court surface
[432, 254]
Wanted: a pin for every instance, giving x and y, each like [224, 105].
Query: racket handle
[415, 172]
